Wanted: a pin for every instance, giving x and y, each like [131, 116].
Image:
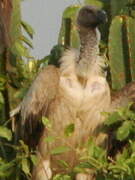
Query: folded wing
[35, 104]
[124, 96]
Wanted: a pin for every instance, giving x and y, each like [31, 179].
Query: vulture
[75, 93]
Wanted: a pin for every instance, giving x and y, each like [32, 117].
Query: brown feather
[35, 104]
[123, 97]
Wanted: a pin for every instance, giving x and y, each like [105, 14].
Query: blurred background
[45, 18]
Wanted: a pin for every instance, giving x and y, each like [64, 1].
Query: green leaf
[121, 157]
[62, 177]
[63, 163]
[4, 166]
[132, 145]
[44, 62]
[24, 147]
[66, 177]
[57, 177]
[27, 41]
[34, 159]
[50, 139]
[60, 150]
[84, 165]
[21, 50]
[1, 98]
[21, 93]
[125, 111]
[25, 166]
[6, 174]
[5, 133]
[69, 129]
[28, 29]
[6, 169]
[98, 150]
[112, 119]
[46, 122]
[124, 131]
[90, 147]
[97, 3]
[71, 11]
[3, 79]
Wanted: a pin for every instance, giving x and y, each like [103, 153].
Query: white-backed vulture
[77, 93]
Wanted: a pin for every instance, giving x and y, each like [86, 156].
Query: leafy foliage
[5, 133]
[19, 163]
[96, 158]
[69, 129]
[124, 120]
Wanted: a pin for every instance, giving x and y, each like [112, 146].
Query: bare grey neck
[89, 50]
[89, 44]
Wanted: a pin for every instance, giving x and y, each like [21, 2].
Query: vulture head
[91, 17]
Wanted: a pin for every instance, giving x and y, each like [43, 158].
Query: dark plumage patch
[90, 16]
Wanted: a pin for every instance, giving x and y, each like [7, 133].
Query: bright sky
[45, 18]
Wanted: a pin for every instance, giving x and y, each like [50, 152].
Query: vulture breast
[81, 106]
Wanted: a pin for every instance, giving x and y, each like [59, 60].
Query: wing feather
[123, 96]
[35, 104]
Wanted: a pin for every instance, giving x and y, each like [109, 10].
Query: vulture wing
[36, 102]
[123, 96]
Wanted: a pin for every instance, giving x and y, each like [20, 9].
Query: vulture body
[77, 93]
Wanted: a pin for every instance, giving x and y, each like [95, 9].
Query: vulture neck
[88, 61]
